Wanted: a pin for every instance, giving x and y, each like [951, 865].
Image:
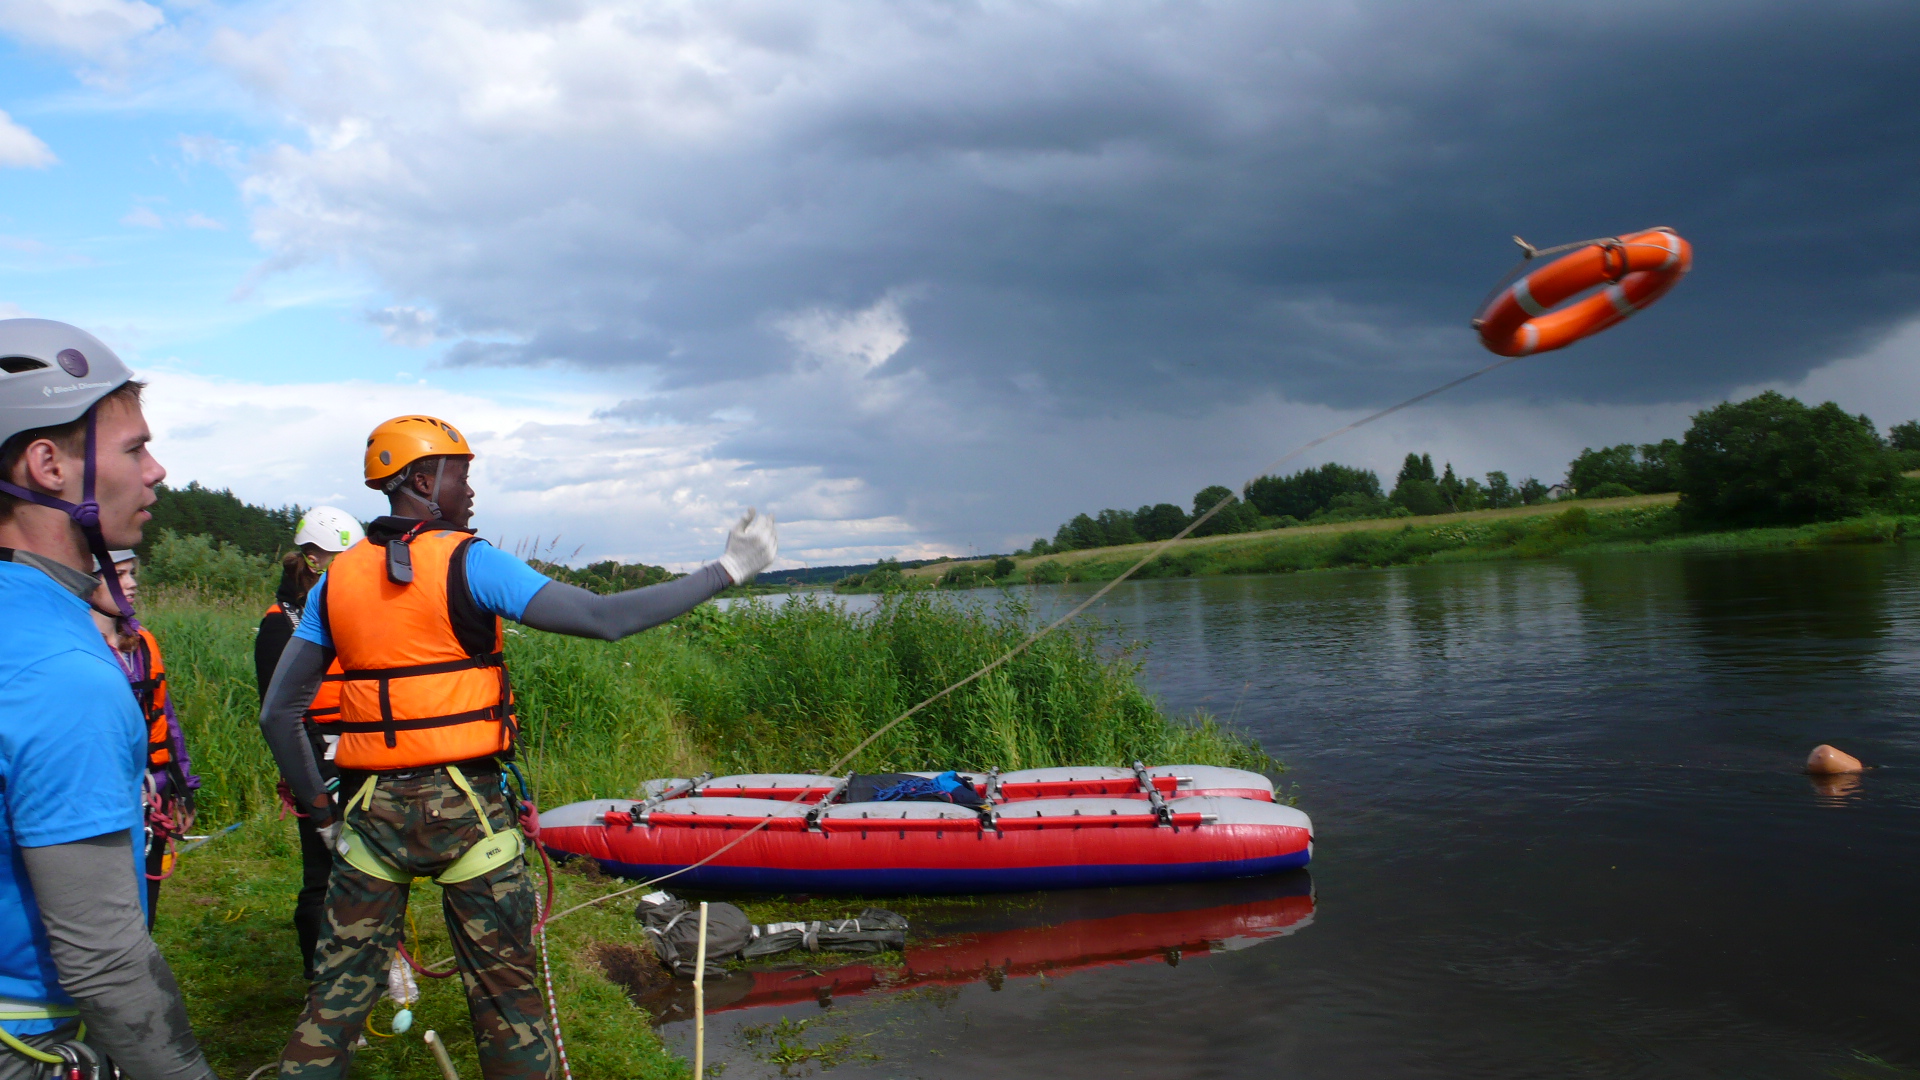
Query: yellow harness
[494, 850]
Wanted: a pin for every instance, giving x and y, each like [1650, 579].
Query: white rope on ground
[1049, 628]
[546, 970]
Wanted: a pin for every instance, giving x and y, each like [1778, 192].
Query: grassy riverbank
[755, 688]
[1637, 523]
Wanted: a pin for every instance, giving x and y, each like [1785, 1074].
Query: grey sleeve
[569, 609]
[90, 905]
[295, 680]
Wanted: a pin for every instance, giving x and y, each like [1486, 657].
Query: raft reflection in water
[1051, 934]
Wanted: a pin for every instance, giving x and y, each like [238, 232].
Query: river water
[1561, 832]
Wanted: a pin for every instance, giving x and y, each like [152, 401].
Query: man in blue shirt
[413, 613]
[75, 479]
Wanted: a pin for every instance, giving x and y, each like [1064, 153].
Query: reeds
[757, 688]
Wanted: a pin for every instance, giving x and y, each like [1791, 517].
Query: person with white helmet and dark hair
[323, 533]
[76, 479]
[170, 779]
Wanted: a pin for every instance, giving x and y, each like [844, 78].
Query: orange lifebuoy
[1636, 269]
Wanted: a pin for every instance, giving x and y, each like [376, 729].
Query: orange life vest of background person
[326, 703]
[412, 693]
[152, 694]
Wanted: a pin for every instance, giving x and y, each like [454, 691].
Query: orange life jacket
[326, 702]
[152, 695]
[412, 694]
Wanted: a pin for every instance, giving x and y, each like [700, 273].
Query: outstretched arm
[569, 609]
[127, 995]
[295, 680]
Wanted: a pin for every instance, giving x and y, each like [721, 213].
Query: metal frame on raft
[1090, 826]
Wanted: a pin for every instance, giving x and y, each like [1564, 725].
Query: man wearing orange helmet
[413, 615]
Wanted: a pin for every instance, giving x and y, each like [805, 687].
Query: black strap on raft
[1160, 808]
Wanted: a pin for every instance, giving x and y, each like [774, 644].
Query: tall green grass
[798, 685]
[757, 688]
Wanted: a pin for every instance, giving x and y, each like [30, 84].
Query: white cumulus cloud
[547, 467]
[20, 148]
[94, 29]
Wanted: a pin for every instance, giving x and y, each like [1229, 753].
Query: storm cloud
[977, 265]
[1143, 204]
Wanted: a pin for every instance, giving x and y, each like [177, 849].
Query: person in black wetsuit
[323, 533]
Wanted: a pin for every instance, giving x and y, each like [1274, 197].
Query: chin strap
[86, 514]
[431, 503]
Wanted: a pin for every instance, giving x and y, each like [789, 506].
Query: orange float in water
[1636, 270]
[1828, 761]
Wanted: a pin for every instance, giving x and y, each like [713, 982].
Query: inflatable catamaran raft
[1036, 829]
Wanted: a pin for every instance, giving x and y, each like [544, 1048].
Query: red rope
[401, 946]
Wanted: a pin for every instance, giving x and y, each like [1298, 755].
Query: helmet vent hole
[14, 365]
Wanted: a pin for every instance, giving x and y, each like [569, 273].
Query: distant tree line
[1328, 493]
[220, 515]
[1768, 460]
[606, 576]
[213, 539]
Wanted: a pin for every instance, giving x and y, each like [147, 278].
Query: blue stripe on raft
[884, 881]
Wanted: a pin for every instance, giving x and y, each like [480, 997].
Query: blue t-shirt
[72, 755]
[499, 584]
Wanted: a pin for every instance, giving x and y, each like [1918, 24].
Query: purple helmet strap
[87, 516]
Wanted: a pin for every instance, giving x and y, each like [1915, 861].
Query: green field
[755, 688]
[1634, 523]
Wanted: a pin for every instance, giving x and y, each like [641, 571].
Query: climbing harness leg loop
[495, 849]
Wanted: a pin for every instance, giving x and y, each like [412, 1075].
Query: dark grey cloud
[1155, 202]
[1094, 213]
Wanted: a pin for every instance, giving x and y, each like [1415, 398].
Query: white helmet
[329, 529]
[52, 374]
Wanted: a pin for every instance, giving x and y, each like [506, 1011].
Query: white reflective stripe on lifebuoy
[1617, 296]
[1530, 338]
[1672, 245]
[1523, 296]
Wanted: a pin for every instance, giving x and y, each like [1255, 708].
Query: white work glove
[330, 835]
[751, 547]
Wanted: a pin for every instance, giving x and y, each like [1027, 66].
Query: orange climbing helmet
[403, 440]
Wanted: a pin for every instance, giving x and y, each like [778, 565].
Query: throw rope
[1031, 639]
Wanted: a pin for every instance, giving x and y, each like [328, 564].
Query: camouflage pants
[421, 825]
